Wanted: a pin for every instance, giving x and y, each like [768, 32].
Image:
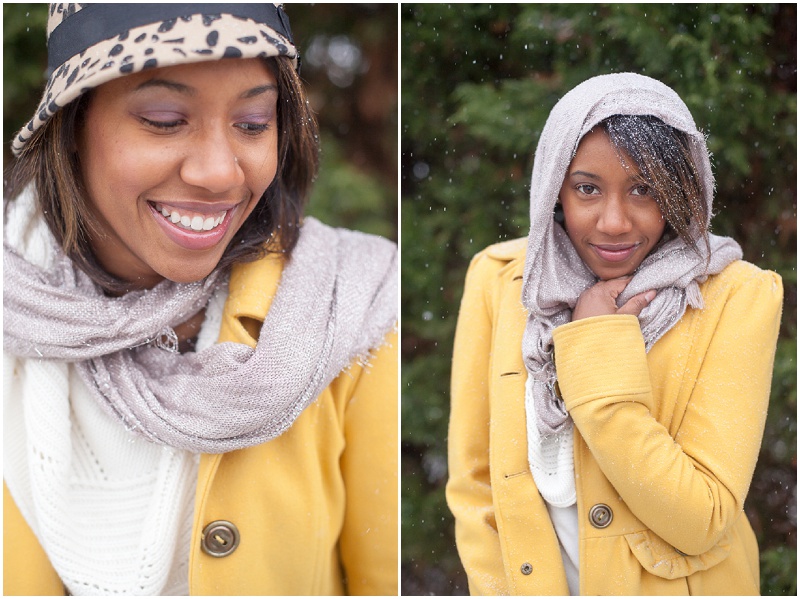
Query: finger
[637, 303]
[614, 286]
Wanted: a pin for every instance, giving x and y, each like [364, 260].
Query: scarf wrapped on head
[555, 275]
[336, 301]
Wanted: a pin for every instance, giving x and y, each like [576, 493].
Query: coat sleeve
[689, 489]
[368, 543]
[469, 491]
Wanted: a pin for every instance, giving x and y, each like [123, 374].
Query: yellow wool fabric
[26, 568]
[668, 440]
[316, 508]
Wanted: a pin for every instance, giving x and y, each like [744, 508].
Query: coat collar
[513, 249]
[252, 287]
[513, 253]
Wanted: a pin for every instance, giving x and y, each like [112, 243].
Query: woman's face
[610, 216]
[174, 160]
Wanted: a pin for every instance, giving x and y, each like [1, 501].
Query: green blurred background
[349, 54]
[477, 84]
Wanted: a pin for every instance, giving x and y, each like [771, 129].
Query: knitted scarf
[336, 301]
[555, 275]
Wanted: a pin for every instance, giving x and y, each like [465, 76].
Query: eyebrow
[584, 174]
[171, 85]
[190, 91]
[257, 91]
[596, 177]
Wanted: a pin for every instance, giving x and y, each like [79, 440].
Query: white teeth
[194, 223]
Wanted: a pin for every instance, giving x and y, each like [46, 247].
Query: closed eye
[163, 125]
[253, 128]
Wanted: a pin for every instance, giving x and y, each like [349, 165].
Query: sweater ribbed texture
[112, 511]
[550, 458]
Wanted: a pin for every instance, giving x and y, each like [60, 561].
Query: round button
[601, 515]
[220, 538]
[526, 568]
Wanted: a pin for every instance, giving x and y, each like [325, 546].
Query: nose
[614, 218]
[211, 163]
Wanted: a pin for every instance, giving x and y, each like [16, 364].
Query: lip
[199, 207]
[195, 240]
[614, 252]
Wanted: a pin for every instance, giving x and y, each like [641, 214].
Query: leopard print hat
[90, 44]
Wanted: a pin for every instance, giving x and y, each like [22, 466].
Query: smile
[191, 221]
[614, 252]
[193, 227]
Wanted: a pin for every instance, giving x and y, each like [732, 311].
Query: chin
[188, 276]
[605, 274]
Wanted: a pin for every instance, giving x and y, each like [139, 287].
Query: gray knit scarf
[555, 276]
[336, 301]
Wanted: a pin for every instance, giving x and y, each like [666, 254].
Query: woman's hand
[601, 300]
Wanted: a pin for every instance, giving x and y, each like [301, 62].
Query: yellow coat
[316, 508]
[666, 440]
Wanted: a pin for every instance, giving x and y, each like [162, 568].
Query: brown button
[526, 568]
[220, 538]
[600, 515]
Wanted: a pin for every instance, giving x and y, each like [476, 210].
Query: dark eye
[586, 189]
[641, 190]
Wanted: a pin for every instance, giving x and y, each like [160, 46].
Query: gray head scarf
[555, 275]
[336, 301]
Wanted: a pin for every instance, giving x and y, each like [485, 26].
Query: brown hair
[50, 162]
[663, 158]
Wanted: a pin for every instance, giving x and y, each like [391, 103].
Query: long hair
[51, 163]
[662, 156]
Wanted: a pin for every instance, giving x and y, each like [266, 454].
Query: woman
[645, 366]
[155, 207]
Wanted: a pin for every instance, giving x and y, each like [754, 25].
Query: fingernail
[650, 296]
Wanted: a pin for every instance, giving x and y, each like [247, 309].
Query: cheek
[576, 219]
[118, 171]
[654, 224]
[114, 164]
[262, 168]
[259, 175]
[265, 175]
[105, 161]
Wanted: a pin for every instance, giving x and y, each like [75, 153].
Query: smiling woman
[174, 162]
[610, 215]
[156, 207]
[602, 439]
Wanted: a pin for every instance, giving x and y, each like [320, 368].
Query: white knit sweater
[552, 466]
